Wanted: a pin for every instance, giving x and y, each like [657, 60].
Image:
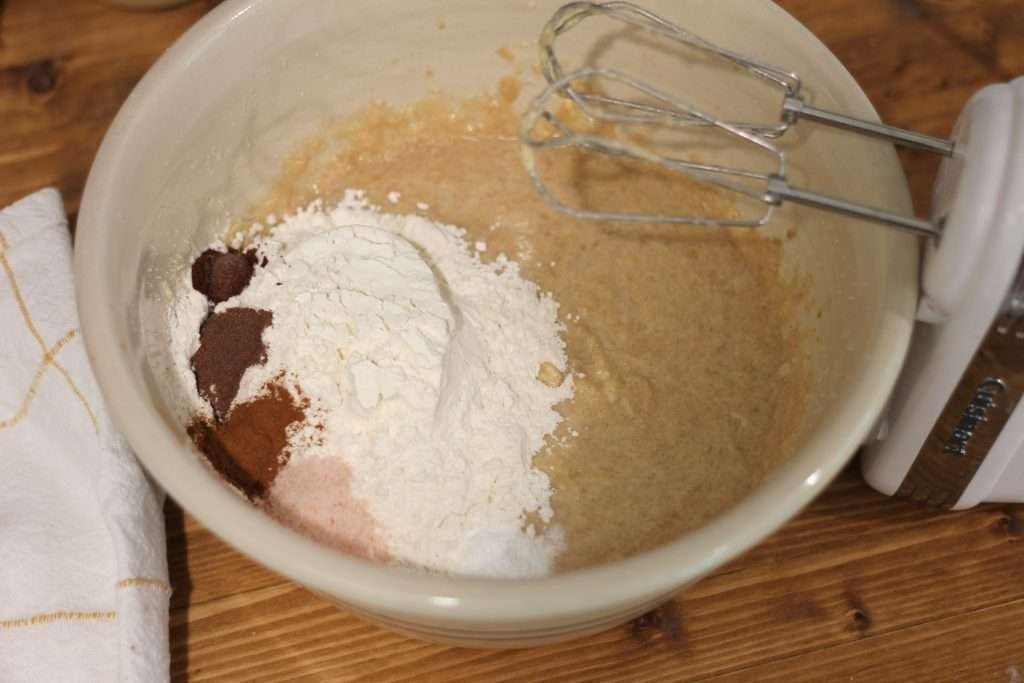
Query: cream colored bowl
[206, 129]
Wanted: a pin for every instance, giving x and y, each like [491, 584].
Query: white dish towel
[83, 565]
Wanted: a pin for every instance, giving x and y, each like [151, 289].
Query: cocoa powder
[230, 342]
[220, 275]
[251, 445]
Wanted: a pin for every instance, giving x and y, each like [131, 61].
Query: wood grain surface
[857, 588]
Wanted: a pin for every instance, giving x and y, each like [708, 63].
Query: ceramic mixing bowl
[205, 131]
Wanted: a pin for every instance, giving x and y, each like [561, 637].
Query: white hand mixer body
[956, 434]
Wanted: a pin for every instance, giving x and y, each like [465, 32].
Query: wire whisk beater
[611, 100]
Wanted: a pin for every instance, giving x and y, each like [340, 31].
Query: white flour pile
[432, 380]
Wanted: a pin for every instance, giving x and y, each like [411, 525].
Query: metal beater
[653, 107]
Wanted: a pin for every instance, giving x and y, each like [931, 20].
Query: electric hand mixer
[955, 433]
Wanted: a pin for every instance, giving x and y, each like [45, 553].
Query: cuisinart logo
[976, 412]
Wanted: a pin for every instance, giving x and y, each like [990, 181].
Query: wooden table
[859, 587]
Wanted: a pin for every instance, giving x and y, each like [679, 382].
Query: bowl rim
[500, 603]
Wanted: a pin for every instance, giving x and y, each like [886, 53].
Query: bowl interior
[207, 130]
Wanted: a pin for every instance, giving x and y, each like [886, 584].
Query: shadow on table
[181, 582]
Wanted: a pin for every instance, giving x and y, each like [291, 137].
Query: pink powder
[314, 497]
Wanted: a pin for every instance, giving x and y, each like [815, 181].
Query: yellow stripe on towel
[50, 617]
[144, 581]
[48, 355]
[48, 359]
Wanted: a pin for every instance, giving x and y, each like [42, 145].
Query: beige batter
[690, 370]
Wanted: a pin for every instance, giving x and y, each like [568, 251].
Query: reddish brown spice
[250, 447]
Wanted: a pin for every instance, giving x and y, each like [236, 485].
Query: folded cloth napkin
[83, 574]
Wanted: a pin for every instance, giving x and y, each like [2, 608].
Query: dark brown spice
[230, 342]
[220, 275]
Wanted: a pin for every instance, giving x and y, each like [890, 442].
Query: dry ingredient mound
[430, 380]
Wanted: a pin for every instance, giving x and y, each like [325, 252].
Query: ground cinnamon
[250, 446]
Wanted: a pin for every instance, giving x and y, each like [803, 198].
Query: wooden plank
[204, 568]
[856, 566]
[65, 69]
[985, 646]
